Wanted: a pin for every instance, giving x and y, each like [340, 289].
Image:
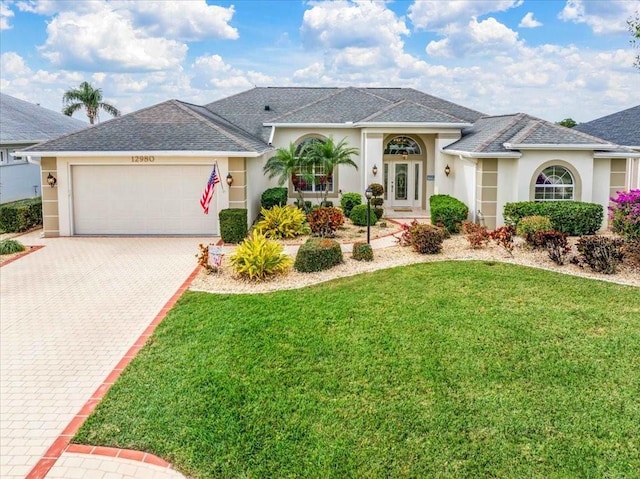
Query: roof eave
[22, 142]
[182, 153]
[414, 124]
[483, 154]
[616, 154]
[557, 146]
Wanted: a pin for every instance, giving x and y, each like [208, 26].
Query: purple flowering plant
[624, 212]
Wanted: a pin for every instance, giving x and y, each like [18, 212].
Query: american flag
[208, 190]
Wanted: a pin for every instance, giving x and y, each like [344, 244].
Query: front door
[403, 184]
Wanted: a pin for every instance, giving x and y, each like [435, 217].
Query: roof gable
[406, 111]
[168, 126]
[24, 122]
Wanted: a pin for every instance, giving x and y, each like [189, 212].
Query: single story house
[144, 173]
[622, 128]
[23, 124]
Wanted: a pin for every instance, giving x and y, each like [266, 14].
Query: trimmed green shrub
[257, 258]
[377, 201]
[448, 212]
[274, 197]
[348, 201]
[324, 222]
[21, 215]
[318, 254]
[425, 238]
[376, 189]
[10, 246]
[282, 222]
[359, 216]
[362, 251]
[233, 224]
[600, 253]
[379, 212]
[574, 218]
[326, 204]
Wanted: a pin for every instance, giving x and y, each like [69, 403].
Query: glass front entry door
[403, 180]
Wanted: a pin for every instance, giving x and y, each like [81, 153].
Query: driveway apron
[69, 312]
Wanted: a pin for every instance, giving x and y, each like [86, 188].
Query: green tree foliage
[568, 122]
[328, 154]
[634, 29]
[89, 98]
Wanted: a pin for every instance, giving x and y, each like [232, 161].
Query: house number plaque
[143, 159]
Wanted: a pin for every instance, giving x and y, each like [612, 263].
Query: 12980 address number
[143, 159]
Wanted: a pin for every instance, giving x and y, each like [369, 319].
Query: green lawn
[440, 370]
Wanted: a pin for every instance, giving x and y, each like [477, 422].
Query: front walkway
[69, 313]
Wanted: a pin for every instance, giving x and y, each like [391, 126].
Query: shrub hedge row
[274, 197]
[233, 224]
[448, 212]
[574, 218]
[22, 215]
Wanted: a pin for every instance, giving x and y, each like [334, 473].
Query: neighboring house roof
[506, 135]
[23, 122]
[622, 127]
[169, 126]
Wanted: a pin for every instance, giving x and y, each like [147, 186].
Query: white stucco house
[143, 173]
[23, 124]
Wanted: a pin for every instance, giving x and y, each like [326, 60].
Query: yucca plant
[258, 257]
[282, 222]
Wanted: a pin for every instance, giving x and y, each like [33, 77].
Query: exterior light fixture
[368, 194]
[447, 170]
[229, 179]
[374, 170]
[404, 155]
[51, 180]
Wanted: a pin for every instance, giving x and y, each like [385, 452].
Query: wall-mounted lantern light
[374, 170]
[447, 170]
[51, 180]
[229, 179]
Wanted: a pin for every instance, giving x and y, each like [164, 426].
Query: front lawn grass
[439, 370]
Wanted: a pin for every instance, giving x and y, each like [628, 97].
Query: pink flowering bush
[625, 214]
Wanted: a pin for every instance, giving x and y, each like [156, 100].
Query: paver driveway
[69, 312]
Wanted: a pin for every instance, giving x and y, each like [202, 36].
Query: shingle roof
[22, 122]
[622, 127]
[168, 126]
[490, 134]
[335, 105]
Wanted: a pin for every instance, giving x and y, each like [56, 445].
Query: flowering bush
[625, 214]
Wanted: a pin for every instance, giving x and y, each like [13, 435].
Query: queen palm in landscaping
[89, 98]
[289, 163]
[328, 155]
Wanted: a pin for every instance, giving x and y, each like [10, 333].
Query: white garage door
[141, 200]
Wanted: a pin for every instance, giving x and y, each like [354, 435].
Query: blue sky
[552, 59]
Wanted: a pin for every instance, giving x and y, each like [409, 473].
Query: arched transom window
[554, 183]
[402, 145]
[311, 178]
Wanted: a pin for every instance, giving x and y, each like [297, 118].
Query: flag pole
[221, 179]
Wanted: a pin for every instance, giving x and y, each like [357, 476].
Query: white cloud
[5, 15]
[344, 23]
[187, 21]
[12, 65]
[529, 22]
[486, 37]
[104, 40]
[608, 17]
[439, 16]
[212, 72]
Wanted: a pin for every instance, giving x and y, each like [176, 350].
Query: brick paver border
[32, 249]
[61, 444]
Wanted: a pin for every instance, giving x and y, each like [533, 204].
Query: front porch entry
[402, 181]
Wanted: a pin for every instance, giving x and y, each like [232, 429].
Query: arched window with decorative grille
[555, 183]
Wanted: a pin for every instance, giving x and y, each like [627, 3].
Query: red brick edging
[32, 249]
[61, 444]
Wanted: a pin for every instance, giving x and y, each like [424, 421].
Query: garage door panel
[149, 199]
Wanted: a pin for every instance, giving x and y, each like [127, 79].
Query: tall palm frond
[89, 98]
[328, 154]
[289, 163]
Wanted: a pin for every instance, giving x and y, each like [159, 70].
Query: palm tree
[88, 97]
[289, 163]
[328, 155]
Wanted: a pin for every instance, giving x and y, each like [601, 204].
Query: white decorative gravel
[455, 248]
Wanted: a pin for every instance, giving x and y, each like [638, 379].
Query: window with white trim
[402, 145]
[554, 183]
